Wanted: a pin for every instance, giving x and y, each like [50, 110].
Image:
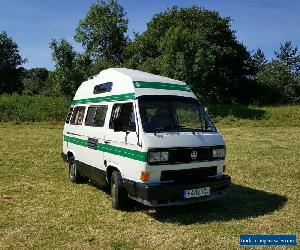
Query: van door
[94, 132]
[121, 139]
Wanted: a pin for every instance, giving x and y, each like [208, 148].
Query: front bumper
[166, 194]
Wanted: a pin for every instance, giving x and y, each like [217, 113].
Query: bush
[33, 108]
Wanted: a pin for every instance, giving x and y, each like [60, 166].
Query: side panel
[82, 141]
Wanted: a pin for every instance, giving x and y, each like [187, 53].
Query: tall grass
[237, 115]
[33, 108]
[44, 109]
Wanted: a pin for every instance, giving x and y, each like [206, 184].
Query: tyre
[74, 175]
[119, 195]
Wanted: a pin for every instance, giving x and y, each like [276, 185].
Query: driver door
[121, 142]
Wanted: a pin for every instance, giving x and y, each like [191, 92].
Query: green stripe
[111, 98]
[76, 141]
[161, 85]
[125, 152]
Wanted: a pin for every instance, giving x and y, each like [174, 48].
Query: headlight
[219, 153]
[158, 156]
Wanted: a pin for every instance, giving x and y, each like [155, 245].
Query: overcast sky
[32, 23]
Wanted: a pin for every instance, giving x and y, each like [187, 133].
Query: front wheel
[118, 192]
[74, 175]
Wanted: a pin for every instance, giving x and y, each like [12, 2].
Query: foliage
[34, 81]
[33, 108]
[194, 45]
[197, 46]
[102, 32]
[277, 79]
[258, 60]
[41, 108]
[280, 78]
[10, 65]
[289, 57]
[69, 71]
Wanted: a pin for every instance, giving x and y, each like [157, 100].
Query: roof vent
[103, 87]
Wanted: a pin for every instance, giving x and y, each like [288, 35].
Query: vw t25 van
[147, 137]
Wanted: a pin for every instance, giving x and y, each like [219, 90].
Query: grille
[188, 175]
[184, 155]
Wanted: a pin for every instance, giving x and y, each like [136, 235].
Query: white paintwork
[131, 169]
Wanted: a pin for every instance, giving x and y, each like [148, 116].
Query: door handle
[107, 141]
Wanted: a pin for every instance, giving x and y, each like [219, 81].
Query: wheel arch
[70, 154]
[109, 170]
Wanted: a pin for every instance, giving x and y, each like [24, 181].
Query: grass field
[40, 208]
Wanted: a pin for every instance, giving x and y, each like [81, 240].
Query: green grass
[40, 208]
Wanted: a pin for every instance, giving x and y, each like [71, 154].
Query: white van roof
[129, 84]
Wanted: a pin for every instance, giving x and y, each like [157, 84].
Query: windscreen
[171, 113]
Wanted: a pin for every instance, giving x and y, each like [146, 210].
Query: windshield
[171, 113]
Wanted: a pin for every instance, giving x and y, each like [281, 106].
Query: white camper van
[147, 137]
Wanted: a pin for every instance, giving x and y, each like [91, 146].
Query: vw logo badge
[194, 154]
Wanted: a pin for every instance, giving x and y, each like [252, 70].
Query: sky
[32, 24]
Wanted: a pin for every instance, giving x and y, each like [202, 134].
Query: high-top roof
[129, 84]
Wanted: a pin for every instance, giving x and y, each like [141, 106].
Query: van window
[69, 115]
[78, 114]
[124, 113]
[96, 116]
[102, 88]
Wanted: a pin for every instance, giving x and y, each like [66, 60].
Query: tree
[281, 77]
[197, 46]
[102, 32]
[258, 60]
[69, 69]
[288, 56]
[280, 86]
[34, 81]
[10, 65]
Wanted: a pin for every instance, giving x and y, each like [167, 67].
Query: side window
[69, 115]
[102, 88]
[96, 116]
[123, 117]
[78, 114]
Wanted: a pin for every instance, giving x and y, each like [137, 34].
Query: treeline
[190, 44]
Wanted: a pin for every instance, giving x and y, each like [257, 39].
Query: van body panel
[182, 139]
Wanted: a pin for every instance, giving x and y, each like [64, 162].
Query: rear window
[96, 116]
[69, 115]
[78, 115]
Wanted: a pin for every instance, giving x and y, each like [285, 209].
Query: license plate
[194, 193]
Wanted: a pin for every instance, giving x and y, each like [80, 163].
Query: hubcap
[72, 170]
[113, 192]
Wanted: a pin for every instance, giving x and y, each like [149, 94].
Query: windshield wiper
[193, 130]
[159, 130]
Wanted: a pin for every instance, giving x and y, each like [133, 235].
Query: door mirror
[118, 125]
